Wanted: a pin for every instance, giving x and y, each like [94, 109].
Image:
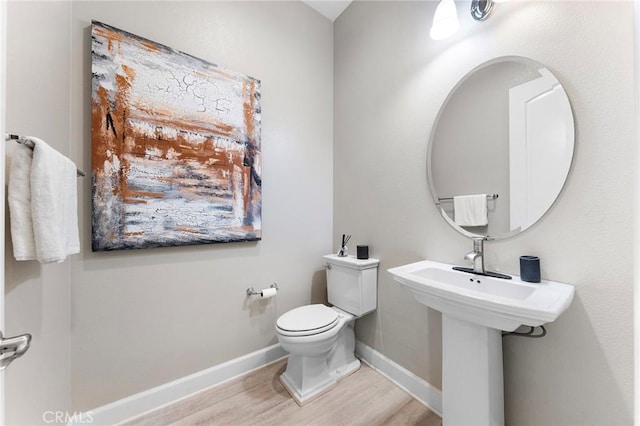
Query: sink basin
[486, 301]
[474, 310]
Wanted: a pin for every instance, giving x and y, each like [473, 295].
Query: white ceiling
[329, 8]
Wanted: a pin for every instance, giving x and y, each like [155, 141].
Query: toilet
[321, 339]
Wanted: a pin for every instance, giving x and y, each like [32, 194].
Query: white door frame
[636, 223]
[3, 78]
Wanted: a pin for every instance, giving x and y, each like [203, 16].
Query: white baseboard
[154, 398]
[403, 378]
[168, 393]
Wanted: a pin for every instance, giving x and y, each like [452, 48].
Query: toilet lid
[310, 318]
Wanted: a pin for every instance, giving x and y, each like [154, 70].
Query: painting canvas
[176, 155]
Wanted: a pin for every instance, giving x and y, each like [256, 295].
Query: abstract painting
[176, 156]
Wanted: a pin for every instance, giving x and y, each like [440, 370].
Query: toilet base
[328, 381]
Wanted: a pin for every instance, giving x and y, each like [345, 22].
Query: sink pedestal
[472, 384]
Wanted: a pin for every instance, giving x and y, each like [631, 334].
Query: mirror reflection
[501, 148]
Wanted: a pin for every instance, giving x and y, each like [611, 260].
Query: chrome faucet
[477, 255]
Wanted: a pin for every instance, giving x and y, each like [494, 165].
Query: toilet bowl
[321, 345]
[321, 339]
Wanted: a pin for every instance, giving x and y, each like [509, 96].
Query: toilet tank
[352, 284]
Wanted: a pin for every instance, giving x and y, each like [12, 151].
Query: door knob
[12, 348]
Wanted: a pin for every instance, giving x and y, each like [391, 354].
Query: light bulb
[445, 20]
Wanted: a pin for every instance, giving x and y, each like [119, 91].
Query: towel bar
[22, 140]
[489, 198]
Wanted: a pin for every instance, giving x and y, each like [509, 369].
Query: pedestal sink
[475, 310]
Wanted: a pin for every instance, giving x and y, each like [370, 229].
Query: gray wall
[390, 81]
[38, 296]
[141, 318]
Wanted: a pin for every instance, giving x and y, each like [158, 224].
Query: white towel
[470, 210]
[19, 196]
[54, 205]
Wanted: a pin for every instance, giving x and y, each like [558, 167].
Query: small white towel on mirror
[470, 210]
[53, 203]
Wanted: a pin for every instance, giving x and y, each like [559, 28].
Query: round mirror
[501, 148]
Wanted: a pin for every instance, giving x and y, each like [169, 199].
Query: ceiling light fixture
[480, 9]
[445, 20]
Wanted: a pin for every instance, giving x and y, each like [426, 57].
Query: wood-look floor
[258, 398]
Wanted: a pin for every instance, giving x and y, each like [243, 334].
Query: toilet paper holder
[253, 292]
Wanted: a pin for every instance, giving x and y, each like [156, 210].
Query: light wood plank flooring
[258, 398]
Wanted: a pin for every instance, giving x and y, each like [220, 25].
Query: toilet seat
[307, 320]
